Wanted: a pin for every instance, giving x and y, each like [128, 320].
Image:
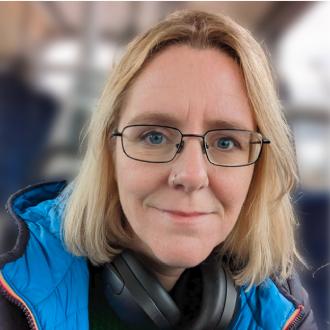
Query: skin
[195, 86]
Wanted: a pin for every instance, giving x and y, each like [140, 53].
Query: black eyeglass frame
[180, 145]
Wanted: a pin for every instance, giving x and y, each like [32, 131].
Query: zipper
[12, 297]
[295, 318]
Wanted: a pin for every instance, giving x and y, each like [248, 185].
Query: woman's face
[195, 88]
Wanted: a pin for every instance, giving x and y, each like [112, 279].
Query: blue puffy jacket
[51, 286]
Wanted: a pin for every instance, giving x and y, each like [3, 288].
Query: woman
[183, 193]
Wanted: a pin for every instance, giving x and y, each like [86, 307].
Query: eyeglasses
[160, 144]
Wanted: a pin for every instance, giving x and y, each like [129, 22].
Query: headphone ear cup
[136, 295]
[121, 300]
[219, 298]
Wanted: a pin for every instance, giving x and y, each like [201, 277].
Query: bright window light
[61, 53]
[304, 57]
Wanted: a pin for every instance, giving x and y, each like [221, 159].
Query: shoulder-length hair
[261, 243]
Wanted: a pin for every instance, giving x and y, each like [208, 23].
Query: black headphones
[140, 301]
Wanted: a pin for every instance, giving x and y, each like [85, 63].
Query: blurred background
[55, 58]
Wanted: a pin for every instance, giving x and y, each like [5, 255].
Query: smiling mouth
[185, 214]
[184, 217]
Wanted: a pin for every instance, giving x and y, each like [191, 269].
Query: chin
[180, 256]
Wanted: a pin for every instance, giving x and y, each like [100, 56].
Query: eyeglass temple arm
[264, 141]
[116, 134]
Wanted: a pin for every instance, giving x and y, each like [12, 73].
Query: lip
[185, 214]
[185, 218]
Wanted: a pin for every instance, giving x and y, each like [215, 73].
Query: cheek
[136, 180]
[231, 187]
[137, 177]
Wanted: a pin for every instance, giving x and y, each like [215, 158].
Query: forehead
[189, 88]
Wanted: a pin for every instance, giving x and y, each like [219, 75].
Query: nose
[189, 168]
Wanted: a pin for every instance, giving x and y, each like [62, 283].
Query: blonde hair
[262, 242]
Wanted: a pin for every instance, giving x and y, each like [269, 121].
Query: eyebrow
[168, 120]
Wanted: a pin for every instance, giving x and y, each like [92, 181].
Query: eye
[154, 137]
[226, 143]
